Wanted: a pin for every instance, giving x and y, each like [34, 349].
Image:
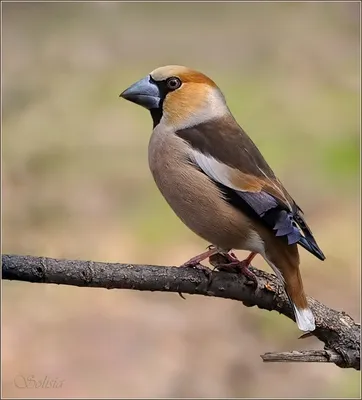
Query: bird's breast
[194, 198]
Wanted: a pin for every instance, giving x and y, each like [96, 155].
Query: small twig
[304, 356]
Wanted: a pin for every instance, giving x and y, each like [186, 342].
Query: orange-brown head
[178, 97]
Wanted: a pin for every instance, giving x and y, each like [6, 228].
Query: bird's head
[178, 97]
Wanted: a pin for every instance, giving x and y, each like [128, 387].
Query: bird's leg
[194, 262]
[240, 266]
[244, 268]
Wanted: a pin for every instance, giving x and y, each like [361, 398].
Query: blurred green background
[76, 184]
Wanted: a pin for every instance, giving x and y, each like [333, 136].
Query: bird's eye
[173, 83]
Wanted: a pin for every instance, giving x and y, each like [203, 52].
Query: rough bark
[339, 332]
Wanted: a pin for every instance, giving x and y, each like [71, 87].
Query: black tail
[308, 241]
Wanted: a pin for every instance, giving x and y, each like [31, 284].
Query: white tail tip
[304, 319]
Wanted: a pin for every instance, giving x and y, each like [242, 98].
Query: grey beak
[144, 93]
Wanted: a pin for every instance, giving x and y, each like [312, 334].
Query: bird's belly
[196, 200]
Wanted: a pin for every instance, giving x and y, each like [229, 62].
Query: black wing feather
[286, 223]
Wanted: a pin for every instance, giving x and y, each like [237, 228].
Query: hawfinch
[218, 183]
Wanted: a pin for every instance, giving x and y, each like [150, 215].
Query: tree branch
[303, 356]
[339, 332]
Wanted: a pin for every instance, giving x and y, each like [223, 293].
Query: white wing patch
[214, 169]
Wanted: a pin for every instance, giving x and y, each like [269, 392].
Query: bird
[218, 183]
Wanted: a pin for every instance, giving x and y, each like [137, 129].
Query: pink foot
[238, 266]
[194, 262]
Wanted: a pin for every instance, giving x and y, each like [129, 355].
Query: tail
[303, 317]
[294, 288]
[288, 271]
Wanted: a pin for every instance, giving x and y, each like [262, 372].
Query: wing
[235, 164]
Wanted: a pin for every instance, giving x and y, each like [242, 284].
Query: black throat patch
[157, 113]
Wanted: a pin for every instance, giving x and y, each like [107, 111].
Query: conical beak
[144, 93]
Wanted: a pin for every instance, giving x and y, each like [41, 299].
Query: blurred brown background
[76, 184]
